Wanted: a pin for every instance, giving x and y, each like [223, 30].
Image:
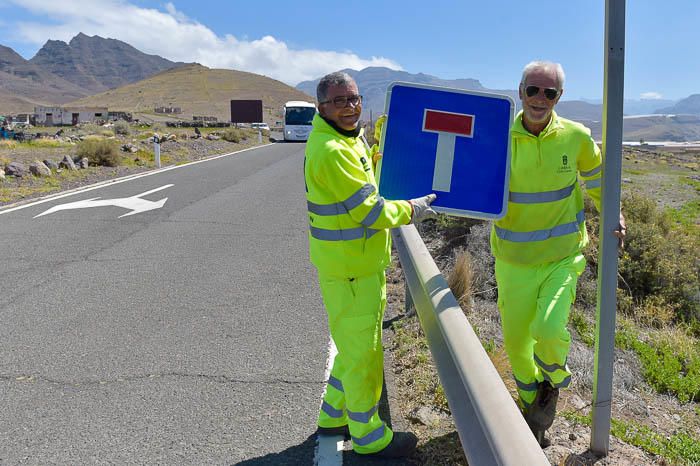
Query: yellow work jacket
[545, 219]
[348, 219]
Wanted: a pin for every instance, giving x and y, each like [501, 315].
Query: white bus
[297, 120]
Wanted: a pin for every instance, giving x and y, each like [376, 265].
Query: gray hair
[339, 78]
[544, 65]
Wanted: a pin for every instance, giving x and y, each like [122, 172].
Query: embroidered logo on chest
[565, 166]
[364, 163]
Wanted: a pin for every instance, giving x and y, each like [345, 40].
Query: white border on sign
[471, 135]
[446, 210]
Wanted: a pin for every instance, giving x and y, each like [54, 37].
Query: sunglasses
[549, 92]
[342, 101]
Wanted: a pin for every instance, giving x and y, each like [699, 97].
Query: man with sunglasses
[538, 244]
[350, 246]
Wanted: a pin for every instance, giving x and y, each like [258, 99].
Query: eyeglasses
[549, 92]
[342, 101]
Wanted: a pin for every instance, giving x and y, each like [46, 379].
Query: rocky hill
[690, 105]
[62, 72]
[198, 90]
[97, 64]
[24, 84]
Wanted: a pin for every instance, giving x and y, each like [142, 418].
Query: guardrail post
[156, 150]
[409, 298]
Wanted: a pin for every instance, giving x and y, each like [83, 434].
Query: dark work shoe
[541, 413]
[541, 439]
[402, 445]
[329, 431]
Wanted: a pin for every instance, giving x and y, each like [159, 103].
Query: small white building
[50, 116]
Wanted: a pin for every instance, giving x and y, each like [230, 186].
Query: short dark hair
[339, 78]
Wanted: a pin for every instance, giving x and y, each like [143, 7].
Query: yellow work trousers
[534, 302]
[355, 310]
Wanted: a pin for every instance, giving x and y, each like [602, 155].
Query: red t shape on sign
[448, 126]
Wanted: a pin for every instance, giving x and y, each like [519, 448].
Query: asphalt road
[189, 334]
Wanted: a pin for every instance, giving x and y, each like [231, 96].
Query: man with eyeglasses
[538, 244]
[350, 246]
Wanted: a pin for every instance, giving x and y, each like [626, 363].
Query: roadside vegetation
[679, 448]
[112, 150]
[658, 323]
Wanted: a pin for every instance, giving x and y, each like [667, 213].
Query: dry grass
[198, 90]
[500, 361]
[460, 279]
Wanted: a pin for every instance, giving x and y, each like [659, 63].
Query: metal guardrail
[490, 427]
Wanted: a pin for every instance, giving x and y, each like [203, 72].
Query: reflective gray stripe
[544, 196]
[374, 214]
[563, 384]
[371, 232]
[337, 235]
[326, 209]
[362, 417]
[371, 437]
[526, 405]
[359, 197]
[595, 171]
[551, 367]
[530, 387]
[344, 206]
[331, 411]
[540, 235]
[593, 183]
[335, 383]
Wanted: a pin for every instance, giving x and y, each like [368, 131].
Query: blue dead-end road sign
[451, 142]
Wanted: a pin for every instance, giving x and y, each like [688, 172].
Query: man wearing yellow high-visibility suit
[537, 245]
[350, 246]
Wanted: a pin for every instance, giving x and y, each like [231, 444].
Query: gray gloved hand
[422, 209]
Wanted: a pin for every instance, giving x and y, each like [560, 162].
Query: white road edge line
[329, 449]
[102, 184]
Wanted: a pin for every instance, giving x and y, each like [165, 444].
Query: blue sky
[487, 40]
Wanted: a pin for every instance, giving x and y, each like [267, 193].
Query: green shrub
[661, 259]
[233, 135]
[122, 127]
[585, 330]
[680, 448]
[659, 267]
[102, 152]
[670, 360]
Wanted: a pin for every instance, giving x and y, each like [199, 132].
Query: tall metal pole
[613, 93]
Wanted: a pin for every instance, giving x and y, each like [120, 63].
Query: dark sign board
[246, 111]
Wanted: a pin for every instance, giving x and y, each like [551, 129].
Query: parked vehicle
[297, 120]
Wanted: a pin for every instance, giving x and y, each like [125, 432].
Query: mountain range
[63, 72]
[683, 125]
[98, 64]
[374, 81]
[107, 72]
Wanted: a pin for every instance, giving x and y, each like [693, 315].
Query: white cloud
[172, 35]
[651, 96]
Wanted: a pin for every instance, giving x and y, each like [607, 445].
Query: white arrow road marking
[134, 203]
